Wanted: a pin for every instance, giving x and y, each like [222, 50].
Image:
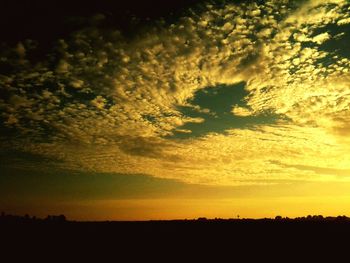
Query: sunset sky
[175, 109]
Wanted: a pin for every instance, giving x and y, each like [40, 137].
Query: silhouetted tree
[53, 218]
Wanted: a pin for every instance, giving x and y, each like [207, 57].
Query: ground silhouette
[245, 237]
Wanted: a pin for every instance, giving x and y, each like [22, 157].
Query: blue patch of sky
[220, 100]
[337, 46]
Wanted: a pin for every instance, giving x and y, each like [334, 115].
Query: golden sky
[236, 108]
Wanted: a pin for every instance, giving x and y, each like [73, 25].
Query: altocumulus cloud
[103, 102]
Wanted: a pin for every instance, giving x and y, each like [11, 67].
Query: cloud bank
[104, 102]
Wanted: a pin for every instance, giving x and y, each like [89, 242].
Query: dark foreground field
[285, 238]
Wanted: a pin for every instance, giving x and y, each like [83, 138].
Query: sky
[175, 109]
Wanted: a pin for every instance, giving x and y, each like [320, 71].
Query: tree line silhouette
[56, 233]
[62, 218]
[27, 218]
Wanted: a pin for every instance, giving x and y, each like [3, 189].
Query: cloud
[319, 170]
[343, 21]
[99, 102]
[319, 39]
[241, 111]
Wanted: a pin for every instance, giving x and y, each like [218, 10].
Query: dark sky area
[48, 20]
